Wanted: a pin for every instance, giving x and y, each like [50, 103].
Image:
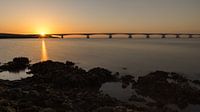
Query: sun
[42, 34]
[43, 31]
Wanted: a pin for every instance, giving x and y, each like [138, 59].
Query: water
[14, 76]
[128, 56]
[138, 56]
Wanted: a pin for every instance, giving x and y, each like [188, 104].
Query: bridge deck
[130, 35]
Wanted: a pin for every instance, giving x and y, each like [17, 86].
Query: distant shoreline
[22, 36]
[17, 36]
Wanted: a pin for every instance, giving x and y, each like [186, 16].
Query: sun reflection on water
[44, 55]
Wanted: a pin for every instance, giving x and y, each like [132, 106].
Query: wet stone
[18, 64]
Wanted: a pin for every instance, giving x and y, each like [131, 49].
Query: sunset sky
[63, 16]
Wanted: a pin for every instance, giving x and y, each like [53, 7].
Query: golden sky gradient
[63, 16]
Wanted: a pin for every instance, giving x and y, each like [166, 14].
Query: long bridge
[129, 35]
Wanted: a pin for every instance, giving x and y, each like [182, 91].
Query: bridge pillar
[62, 36]
[87, 36]
[177, 36]
[110, 36]
[49, 36]
[163, 35]
[147, 35]
[190, 36]
[130, 36]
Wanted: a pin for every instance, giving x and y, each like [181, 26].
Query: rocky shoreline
[65, 87]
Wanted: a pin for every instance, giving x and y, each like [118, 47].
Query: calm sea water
[128, 56]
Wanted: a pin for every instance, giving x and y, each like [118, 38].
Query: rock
[60, 87]
[47, 110]
[197, 82]
[104, 109]
[177, 77]
[21, 61]
[30, 109]
[34, 93]
[4, 102]
[136, 99]
[7, 109]
[67, 75]
[76, 80]
[156, 86]
[122, 109]
[14, 93]
[18, 64]
[126, 80]
[113, 109]
[46, 67]
[124, 68]
[70, 64]
[98, 76]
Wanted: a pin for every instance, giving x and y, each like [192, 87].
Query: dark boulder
[18, 64]
[98, 76]
[104, 109]
[70, 80]
[136, 99]
[46, 67]
[70, 64]
[177, 77]
[156, 86]
[126, 80]
[67, 75]
[7, 109]
[197, 82]
[47, 110]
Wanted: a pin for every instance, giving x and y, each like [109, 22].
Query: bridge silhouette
[129, 35]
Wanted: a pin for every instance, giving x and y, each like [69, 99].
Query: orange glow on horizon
[42, 34]
[42, 30]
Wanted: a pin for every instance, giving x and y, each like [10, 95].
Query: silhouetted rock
[47, 110]
[98, 76]
[196, 82]
[7, 109]
[20, 63]
[126, 80]
[136, 99]
[104, 109]
[64, 87]
[70, 79]
[67, 75]
[177, 77]
[70, 64]
[46, 67]
[158, 86]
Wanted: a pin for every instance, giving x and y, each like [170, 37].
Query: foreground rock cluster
[16, 65]
[65, 87]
